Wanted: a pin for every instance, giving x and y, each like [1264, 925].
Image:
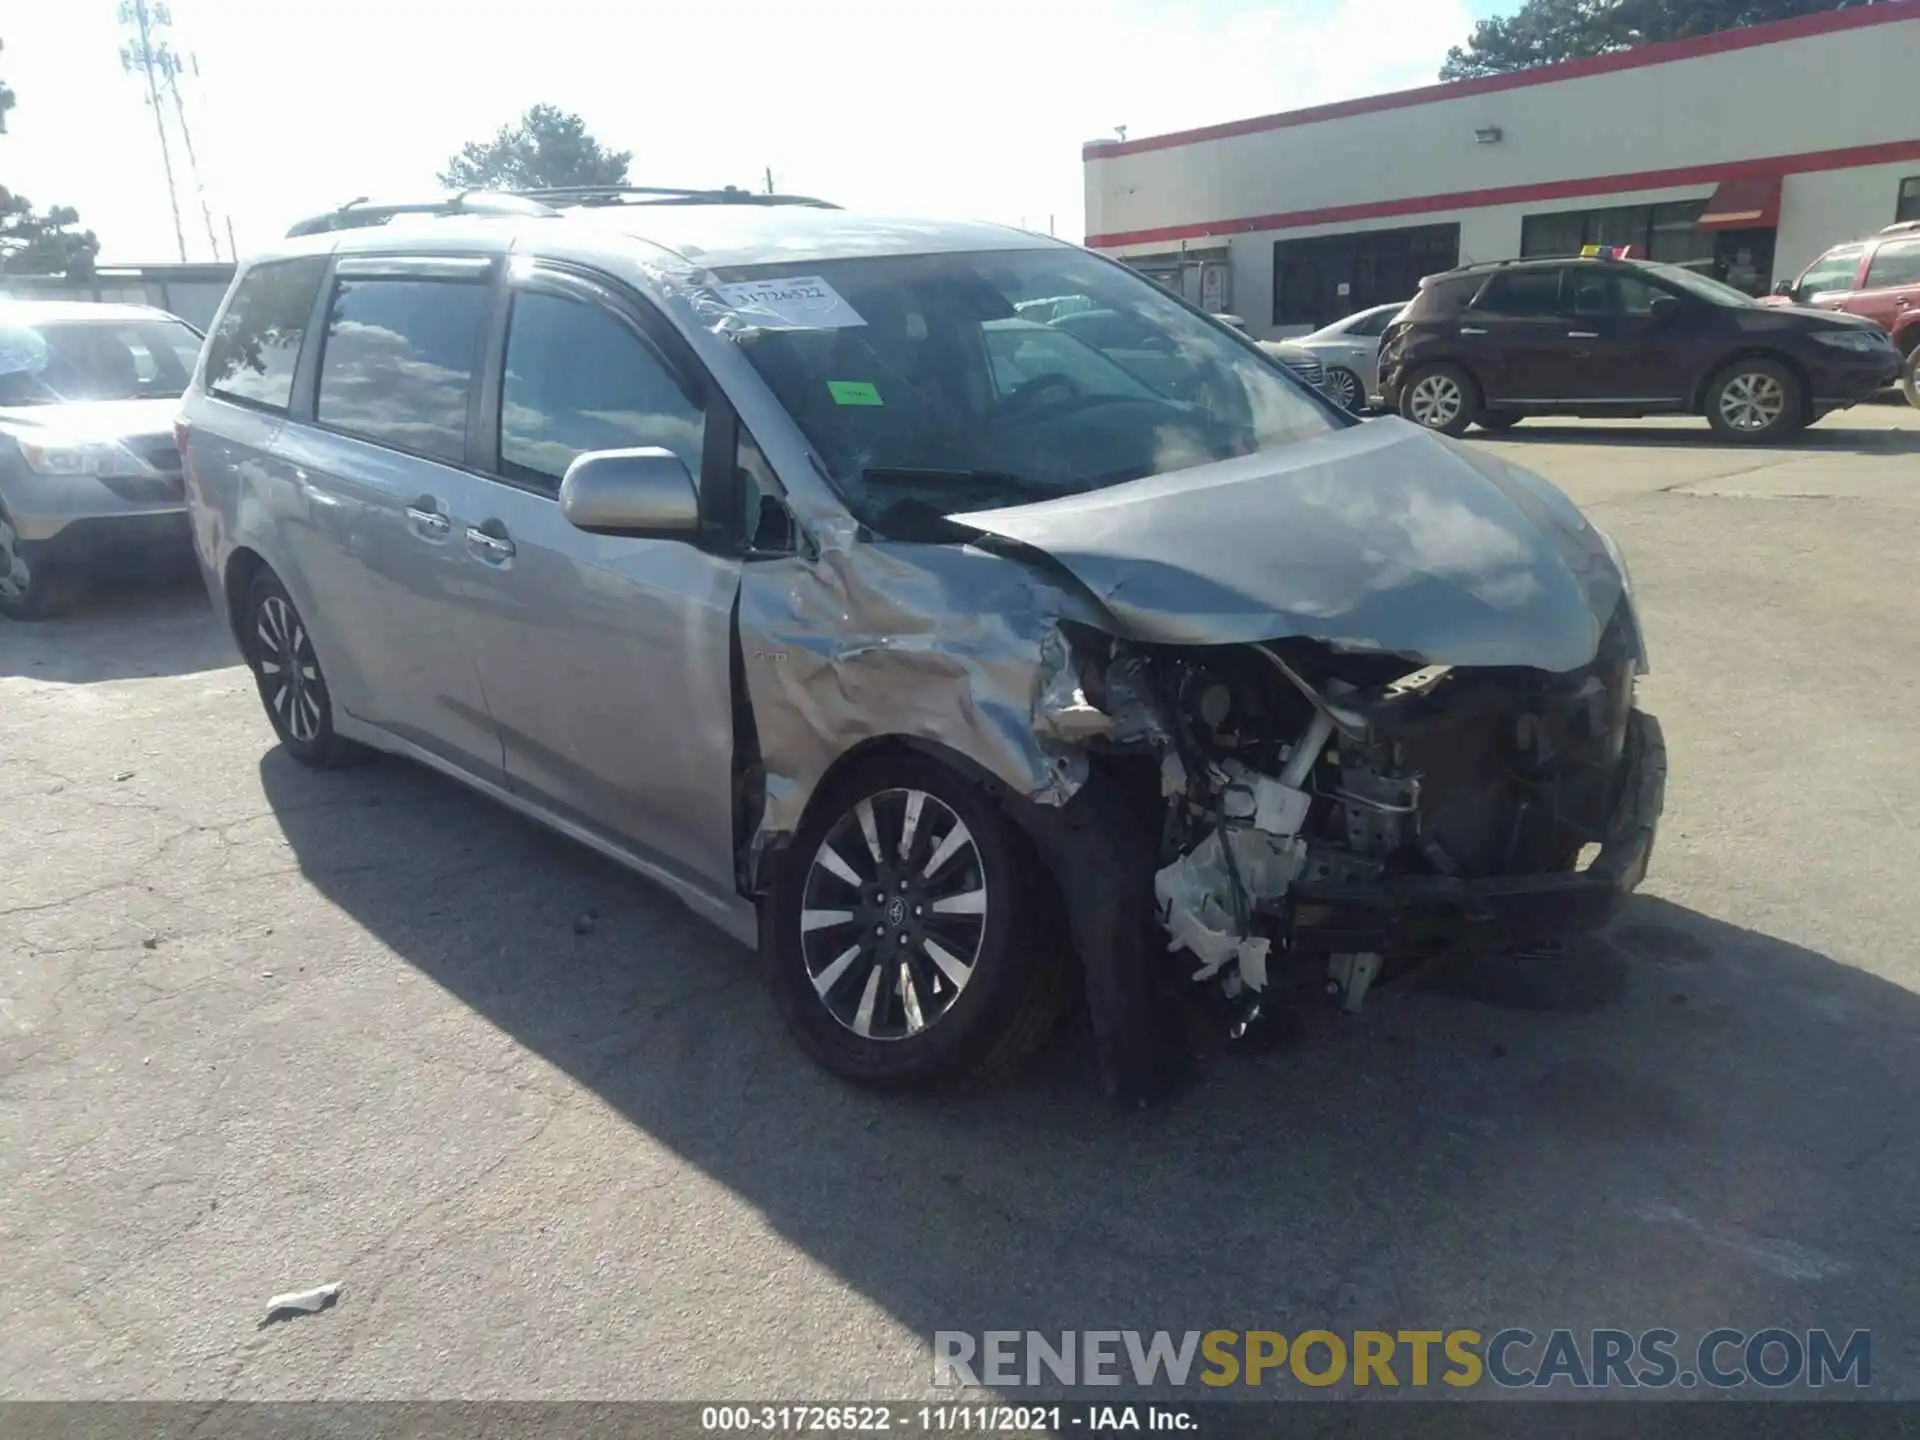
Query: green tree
[33, 243]
[546, 149]
[1542, 32]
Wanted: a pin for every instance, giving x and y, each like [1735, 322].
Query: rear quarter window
[253, 350]
[1446, 296]
[1895, 263]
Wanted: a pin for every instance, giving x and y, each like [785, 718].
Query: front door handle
[1583, 334]
[1471, 330]
[490, 542]
[427, 519]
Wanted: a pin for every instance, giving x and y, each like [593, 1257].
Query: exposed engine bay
[1324, 816]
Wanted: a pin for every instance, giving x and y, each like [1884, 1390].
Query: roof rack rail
[587, 195]
[359, 213]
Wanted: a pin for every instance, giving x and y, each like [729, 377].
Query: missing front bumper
[1402, 916]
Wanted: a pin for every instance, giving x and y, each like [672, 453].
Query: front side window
[399, 360]
[1832, 271]
[1704, 287]
[578, 379]
[1895, 263]
[919, 381]
[252, 351]
[51, 362]
[1522, 294]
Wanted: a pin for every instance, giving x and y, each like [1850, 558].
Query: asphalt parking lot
[262, 1029]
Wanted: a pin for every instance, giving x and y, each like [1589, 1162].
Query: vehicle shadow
[1684, 1123]
[122, 629]
[1833, 434]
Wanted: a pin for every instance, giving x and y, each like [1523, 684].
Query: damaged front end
[1324, 817]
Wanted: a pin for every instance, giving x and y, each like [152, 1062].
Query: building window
[1669, 232]
[1325, 278]
[1908, 207]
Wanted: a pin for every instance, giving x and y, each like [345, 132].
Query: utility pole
[169, 64]
[769, 179]
[138, 54]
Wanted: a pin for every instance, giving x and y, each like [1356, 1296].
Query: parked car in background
[1491, 344]
[1878, 279]
[770, 551]
[89, 470]
[1301, 361]
[1350, 350]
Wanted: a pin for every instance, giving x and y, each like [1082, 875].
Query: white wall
[1762, 101]
[1820, 210]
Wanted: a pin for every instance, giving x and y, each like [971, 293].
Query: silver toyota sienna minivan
[961, 664]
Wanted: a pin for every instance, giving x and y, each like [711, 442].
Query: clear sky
[917, 106]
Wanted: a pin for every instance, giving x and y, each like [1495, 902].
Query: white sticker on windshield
[791, 302]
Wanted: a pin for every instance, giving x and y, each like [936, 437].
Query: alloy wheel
[1436, 401]
[289, 671]
[1752, 401]
[1345, 388]
[893, 914]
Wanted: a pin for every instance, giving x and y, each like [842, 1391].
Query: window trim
[313, 356]
[291, 408]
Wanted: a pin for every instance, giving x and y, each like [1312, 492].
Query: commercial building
[1744, 153]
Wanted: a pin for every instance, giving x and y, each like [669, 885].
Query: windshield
[931, 383]
[1705, 286]
[55, 361]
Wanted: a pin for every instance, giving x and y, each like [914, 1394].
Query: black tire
[1755, 401]
[970, 1029]
[1441, 398]
[1498, 421]
[293, 687]
[29, 590]
[1345, 389]
[1910, 377]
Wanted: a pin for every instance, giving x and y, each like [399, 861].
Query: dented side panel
[875, 640]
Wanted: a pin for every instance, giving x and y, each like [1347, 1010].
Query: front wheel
[1910, 378]
[1754, 401]
[1440, 397]
[1345, 388]
[907, 944]
[29, 589]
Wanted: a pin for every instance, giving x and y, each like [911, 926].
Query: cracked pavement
[262, 1029]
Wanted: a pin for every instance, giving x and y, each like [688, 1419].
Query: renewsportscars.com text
[1513, 1358]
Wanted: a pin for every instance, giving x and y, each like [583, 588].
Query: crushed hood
[1378, 536]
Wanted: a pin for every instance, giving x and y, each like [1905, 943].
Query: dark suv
[1490, 344]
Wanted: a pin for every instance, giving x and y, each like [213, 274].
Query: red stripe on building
[1769, 167]
[1663, 53]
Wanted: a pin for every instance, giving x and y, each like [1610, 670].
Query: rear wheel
[1440, 397]
[907, 944]
[30, 589]
[279, 650]
[1344, 386]
[1754, 401]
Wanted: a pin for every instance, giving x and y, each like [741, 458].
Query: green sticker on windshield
[853, 392]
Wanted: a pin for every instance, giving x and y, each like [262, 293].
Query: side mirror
[1664, 307]
[1783, 287]
[643, 492]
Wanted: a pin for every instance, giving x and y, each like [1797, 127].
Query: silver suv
[961, 665]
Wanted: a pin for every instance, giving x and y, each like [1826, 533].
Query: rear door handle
[492, 546]
[1471, 330]
[1583, 334]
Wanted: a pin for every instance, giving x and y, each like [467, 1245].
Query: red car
[1878, 278]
